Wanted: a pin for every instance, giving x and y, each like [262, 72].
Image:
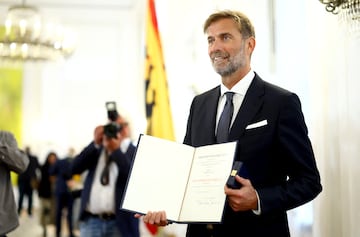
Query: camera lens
[111, 129]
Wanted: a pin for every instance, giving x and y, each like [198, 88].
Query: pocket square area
[257, 124]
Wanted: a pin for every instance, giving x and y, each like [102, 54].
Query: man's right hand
[154, 218]
[98, 135]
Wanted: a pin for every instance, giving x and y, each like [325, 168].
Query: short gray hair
[243, 23]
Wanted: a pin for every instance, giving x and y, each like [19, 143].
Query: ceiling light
[26, 35]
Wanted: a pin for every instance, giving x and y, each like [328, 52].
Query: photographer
[107, 159]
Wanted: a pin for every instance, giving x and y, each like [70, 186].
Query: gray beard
[234, 64]
[227, 71]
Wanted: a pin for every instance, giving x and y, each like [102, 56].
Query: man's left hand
[243, 199]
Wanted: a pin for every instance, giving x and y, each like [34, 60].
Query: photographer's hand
[98, 135]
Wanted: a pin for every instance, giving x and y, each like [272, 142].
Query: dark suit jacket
[87, 160]
[278, 157]
[61, 169]
[30, 173]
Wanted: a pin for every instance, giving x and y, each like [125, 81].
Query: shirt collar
[242, 86]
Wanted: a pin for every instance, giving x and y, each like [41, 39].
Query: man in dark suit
[107, 160]
[279, 171]
[63, 198]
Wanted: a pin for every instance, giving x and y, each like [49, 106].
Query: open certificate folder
[185, 182]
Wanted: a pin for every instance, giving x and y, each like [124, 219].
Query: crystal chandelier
[27, 36]
[348, 11]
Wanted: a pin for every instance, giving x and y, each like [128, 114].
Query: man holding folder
[268, 124]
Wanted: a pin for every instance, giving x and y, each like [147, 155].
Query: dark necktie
[104, 179]
[222, 133]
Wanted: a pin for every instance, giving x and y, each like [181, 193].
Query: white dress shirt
[239, 90]
[102, 197]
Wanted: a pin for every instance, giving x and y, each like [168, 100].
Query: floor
[30, 227]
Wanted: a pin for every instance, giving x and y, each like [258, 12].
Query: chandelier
[348, 11]
[25, 35]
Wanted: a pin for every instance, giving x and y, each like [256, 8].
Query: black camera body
[111, 129]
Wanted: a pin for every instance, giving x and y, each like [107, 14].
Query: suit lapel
[209, 120]
[250, 105]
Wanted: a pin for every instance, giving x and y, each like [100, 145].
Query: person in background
[63, 197]
[107, 159]
[279, 169]
[12, 159]
[46, 193]
[28, 181]
[75, 186]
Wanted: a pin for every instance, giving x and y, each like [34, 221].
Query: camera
[111, 129]
[111, 110]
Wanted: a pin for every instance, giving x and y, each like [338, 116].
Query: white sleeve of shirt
[258, 211]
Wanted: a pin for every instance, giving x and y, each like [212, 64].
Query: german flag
[158, 111]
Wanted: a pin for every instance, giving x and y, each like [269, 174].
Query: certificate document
[185, 182]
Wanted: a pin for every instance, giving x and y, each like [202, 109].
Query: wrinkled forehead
[221, 27]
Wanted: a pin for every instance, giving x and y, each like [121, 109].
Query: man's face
[226, 48]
